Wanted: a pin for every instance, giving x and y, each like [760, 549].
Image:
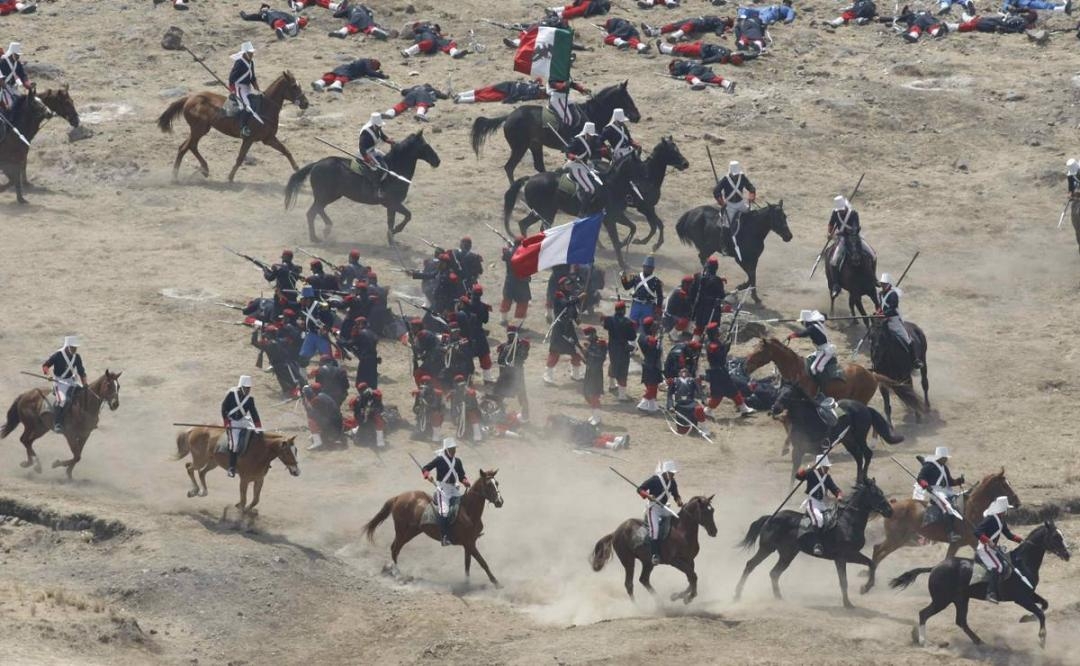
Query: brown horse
[408, 510]
[679, 549]
[36, 111]
[202, 111]
[906, 523]
[34, 411]
[263, 449]
[859, 383]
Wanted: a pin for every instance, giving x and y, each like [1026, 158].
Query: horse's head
[1052, 539]
[415, 147]
[60, 103]
[293, 92]
[669, 154]
[701, 511]
[108, 389]
[618, 97]
[759, 357]
[868, 495]
[778, 221]
[488, 487]
[995, 485]
[286, 453]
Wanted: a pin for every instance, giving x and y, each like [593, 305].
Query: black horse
[950, 582]
[701, 228]
[665, 154]
[809, 435]
[526, 130]
[544, 199]
[334, 177]
[857, 276]
[841, 543]
[889, 357]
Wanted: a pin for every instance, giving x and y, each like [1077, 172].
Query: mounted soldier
[818, 483]
[935, 484]
[825, 354]
[734, 193]
[242, 85]
[646, 290]
[67, 374]
[845, 228]
[890, 310]
[11, 74]
[581, 154]
[559, 99]
[240, 417]
[449, 476]
[617, 136]
[990, 554]
[657, 490]
[371, 137]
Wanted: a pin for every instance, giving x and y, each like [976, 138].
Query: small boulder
[79, 133]
[173, 39]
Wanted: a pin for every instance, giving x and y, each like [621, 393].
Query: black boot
[818, 549]
[950, 527]
[444, 526]
[993, 587]
[58, 418]
[654, 546]
[232, 464]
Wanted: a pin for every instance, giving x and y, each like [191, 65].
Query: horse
[1074, 214]
[544, 199]
[34, 411]
[950, 583]
[857, 276]
[889, 357]
[858, 384]
[841, 543]
[678, 550]
[334, 177]
[905, 527]
[408, 510]
[663, 155]
[262, 449]
[36, 110]
[807, 434]
[701, 228]
[203, 111]
[526, 130]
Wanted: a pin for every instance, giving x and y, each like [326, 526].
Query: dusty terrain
[968, 171]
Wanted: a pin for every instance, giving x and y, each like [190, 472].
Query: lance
[826, 246]
[56, 381]
[785, 321]
[376, 165]
[1064, 210]
[223, 84]
[201, 425]
[949, 507]
[559, 136]
[902, 276]
[16, 130]
[651, 499]
[711, 164]
[816, 463]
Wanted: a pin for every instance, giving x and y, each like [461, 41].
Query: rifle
[253, 260]
[329, 264]
[374, 165]
[828, 240]
[516, 27]
[230, 306]
[816, 462]
[428, 310]
[902, 276]
[682, 420]
[452, 253]
[1068, 202]
[733, 330]
[386, 83]
[651, 499]
[499, 234]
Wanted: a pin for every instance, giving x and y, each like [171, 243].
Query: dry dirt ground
[963, 142]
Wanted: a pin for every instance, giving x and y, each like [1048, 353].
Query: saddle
[832, 371]
[640, 536]
[233, 108]
[567, 185]
[806, 527]
[980, 574]
[577, 121]
[934, 513]
[431, 516]
[222, 445]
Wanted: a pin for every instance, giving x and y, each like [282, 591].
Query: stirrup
[232, 472]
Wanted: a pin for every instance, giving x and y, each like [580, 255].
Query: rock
[79, 133]
[1013, 96]
[1040, 37]
[409, 9]
[41, 70]
[173, 39]
[961, 165]
[169, 93]
[714, 138]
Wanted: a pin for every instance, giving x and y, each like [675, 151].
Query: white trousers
[815, 509]
[897, 328]
[559, 103]
[237, 426]
[444, 494]
[580, 173]
[821, 360]
[62, 389]
[988, 555]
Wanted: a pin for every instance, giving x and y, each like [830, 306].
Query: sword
[1063, 210]
[201, 425]
[816, 463]
[826, 246]
[357, 157]
[902, 276]
[662, 506]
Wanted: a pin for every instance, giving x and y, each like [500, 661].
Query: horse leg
[76, 447]
[751, 564]
[468, 562]
[191, 474]
[399, 207]
[646, 571]
[687, 567]
[211, 464]
[537, 150]
[527, 222]
[961, 618]
[1032, 605]
[243, 494]
[613, 234]
[935, 606]
[925, 385]
[516, 153]
[193, 146]
[27, 440]
[245, 146]
[627, 559]
[888, 404]
[785, 561]
[841, 573]
[881, 551]
[273, 142]
[483, 564]
[255, 498]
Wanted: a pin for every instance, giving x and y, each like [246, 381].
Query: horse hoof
[25, 463]
[848, 605]
[497, 584]
[192, 493]
[865, 588]
[314, 239]
[56, 463]
[202, 494]
[915, 638]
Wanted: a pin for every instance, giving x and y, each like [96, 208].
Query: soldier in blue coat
[658, 490]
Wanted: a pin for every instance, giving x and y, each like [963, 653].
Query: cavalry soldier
[511, 356]
[284, 276]
[584, 149]
[720, 383]
[515, 290]
[470, 265]
[332, 379]
[818, 483]
[335, 79]
[814, 328]
[646, 290]
[353, 270]
[564, 338]
[429, 407]
[559, 99]
[595, 353]
[319, 280]
[324, 416]
[67, 373]
[448, 473]
[12, 73]
[657, 490]
[283, 23]
[734, 193]
[358, 19]
[371, 136]
[617, 136]
[991, 555]
[622, 332]
[622, 34]
[318, 321]
[684, 395]
[421, 97]
[240, 418]
[242, 83]
[890, 309]
[705, 52]
[843, 226]
[936, 483]
[679, 309]
[428, 39]
[699, 76]
[1072, 168]
[708, 296]
[652, 371]
[507, 92]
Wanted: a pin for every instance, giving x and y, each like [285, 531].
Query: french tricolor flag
[573, 243]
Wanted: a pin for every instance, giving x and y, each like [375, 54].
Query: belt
[638, 300]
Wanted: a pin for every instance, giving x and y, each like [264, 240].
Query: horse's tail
[482, 128]
[883, 428]
[295, 181]
[510, 200]
[182, 446]
[374, 523]
[889, 382]
[165, 120]
[753, 533]
[682, 228]
[601, 552]
[908, 577]
[12, 419]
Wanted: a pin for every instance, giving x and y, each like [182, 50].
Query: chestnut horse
[906, 523]
[859, 383]
[34, 412]
[202, 111]
[679, 549]
[263, 448]
[408, 510]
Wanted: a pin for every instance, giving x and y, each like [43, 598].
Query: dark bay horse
[701, 228]
[841, 544]
[1074, 215]
[905, 526]
[665, 154]
[857, 276]
[809, 435]
[333, 178]
[36, 111]
[202, 111]
[525, 129]
[544, 199]
[678, 550]
[950, 583]
[34, 412]
[889, 357]
[408, 510]
[263, 448]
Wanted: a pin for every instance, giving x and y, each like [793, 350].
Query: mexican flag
[545, 52]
